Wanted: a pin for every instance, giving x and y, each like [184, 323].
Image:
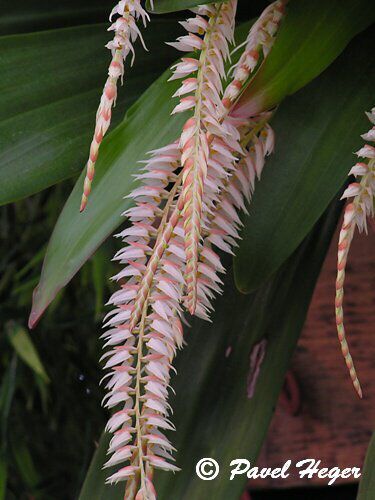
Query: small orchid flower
[206, 86]
[126, 32]
[355, 215]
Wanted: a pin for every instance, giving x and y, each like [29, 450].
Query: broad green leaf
[317, 131]
[164, 6]
[94, 487]
[99, 278]
[25, 15]
[147, 125]
[48, 117]
[22, 344]
[213, 415]
[77, 235]
[367, 485]
[311, 36]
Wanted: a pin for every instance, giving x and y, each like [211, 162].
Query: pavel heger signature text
[307, 468]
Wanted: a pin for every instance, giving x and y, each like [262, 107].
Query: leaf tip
[36, 312]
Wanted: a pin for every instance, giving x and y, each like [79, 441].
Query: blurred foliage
[57, 423]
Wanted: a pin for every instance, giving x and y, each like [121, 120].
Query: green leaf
[311, 36]
[367, 484]
[25, 464]
[213, 415]
[94, 487]
[22, 344]
[3, 477]
[77, 235]
[164, 6]
[99, 278]
[7, 388]
[317, 131]
[47, 119]
[25, 15]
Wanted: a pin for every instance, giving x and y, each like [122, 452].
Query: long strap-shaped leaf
[312, 35]
[81, 233]
[76, 237]
[367, 484]
[26, 17]
[317, 131]
[46, 119]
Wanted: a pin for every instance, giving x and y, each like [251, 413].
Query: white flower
[126, 33]
[356, 213]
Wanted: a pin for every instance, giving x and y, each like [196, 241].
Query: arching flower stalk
[236, 158]
[222, 223]
[355, 215]
[145, 327]
[257, 46]
[216, 23]
[126, 32]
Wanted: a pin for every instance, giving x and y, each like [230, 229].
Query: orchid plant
[186, 210]
[356, 214]
[187, 207]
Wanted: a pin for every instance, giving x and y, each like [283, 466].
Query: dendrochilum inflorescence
[126, 32]
[356, 212]
[185, 213]
[186, 210]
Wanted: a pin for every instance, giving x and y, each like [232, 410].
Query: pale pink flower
[222, 223]
[257, 46]
[356, 213]
[216, 30]
[145, 327]
[126, 32]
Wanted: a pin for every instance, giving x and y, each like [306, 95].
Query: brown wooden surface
[332, 424]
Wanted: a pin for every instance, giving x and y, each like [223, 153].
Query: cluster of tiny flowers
[257, 46]
[355, 215]
[185, 212]
[215, 24]
[126, 32]
[221, 222]
[145, 327]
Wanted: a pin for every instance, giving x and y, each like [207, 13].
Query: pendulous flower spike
[126, 32]
[257, 46]
[145, 328]
[355, 215]
[206, 87]
[188, 202]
